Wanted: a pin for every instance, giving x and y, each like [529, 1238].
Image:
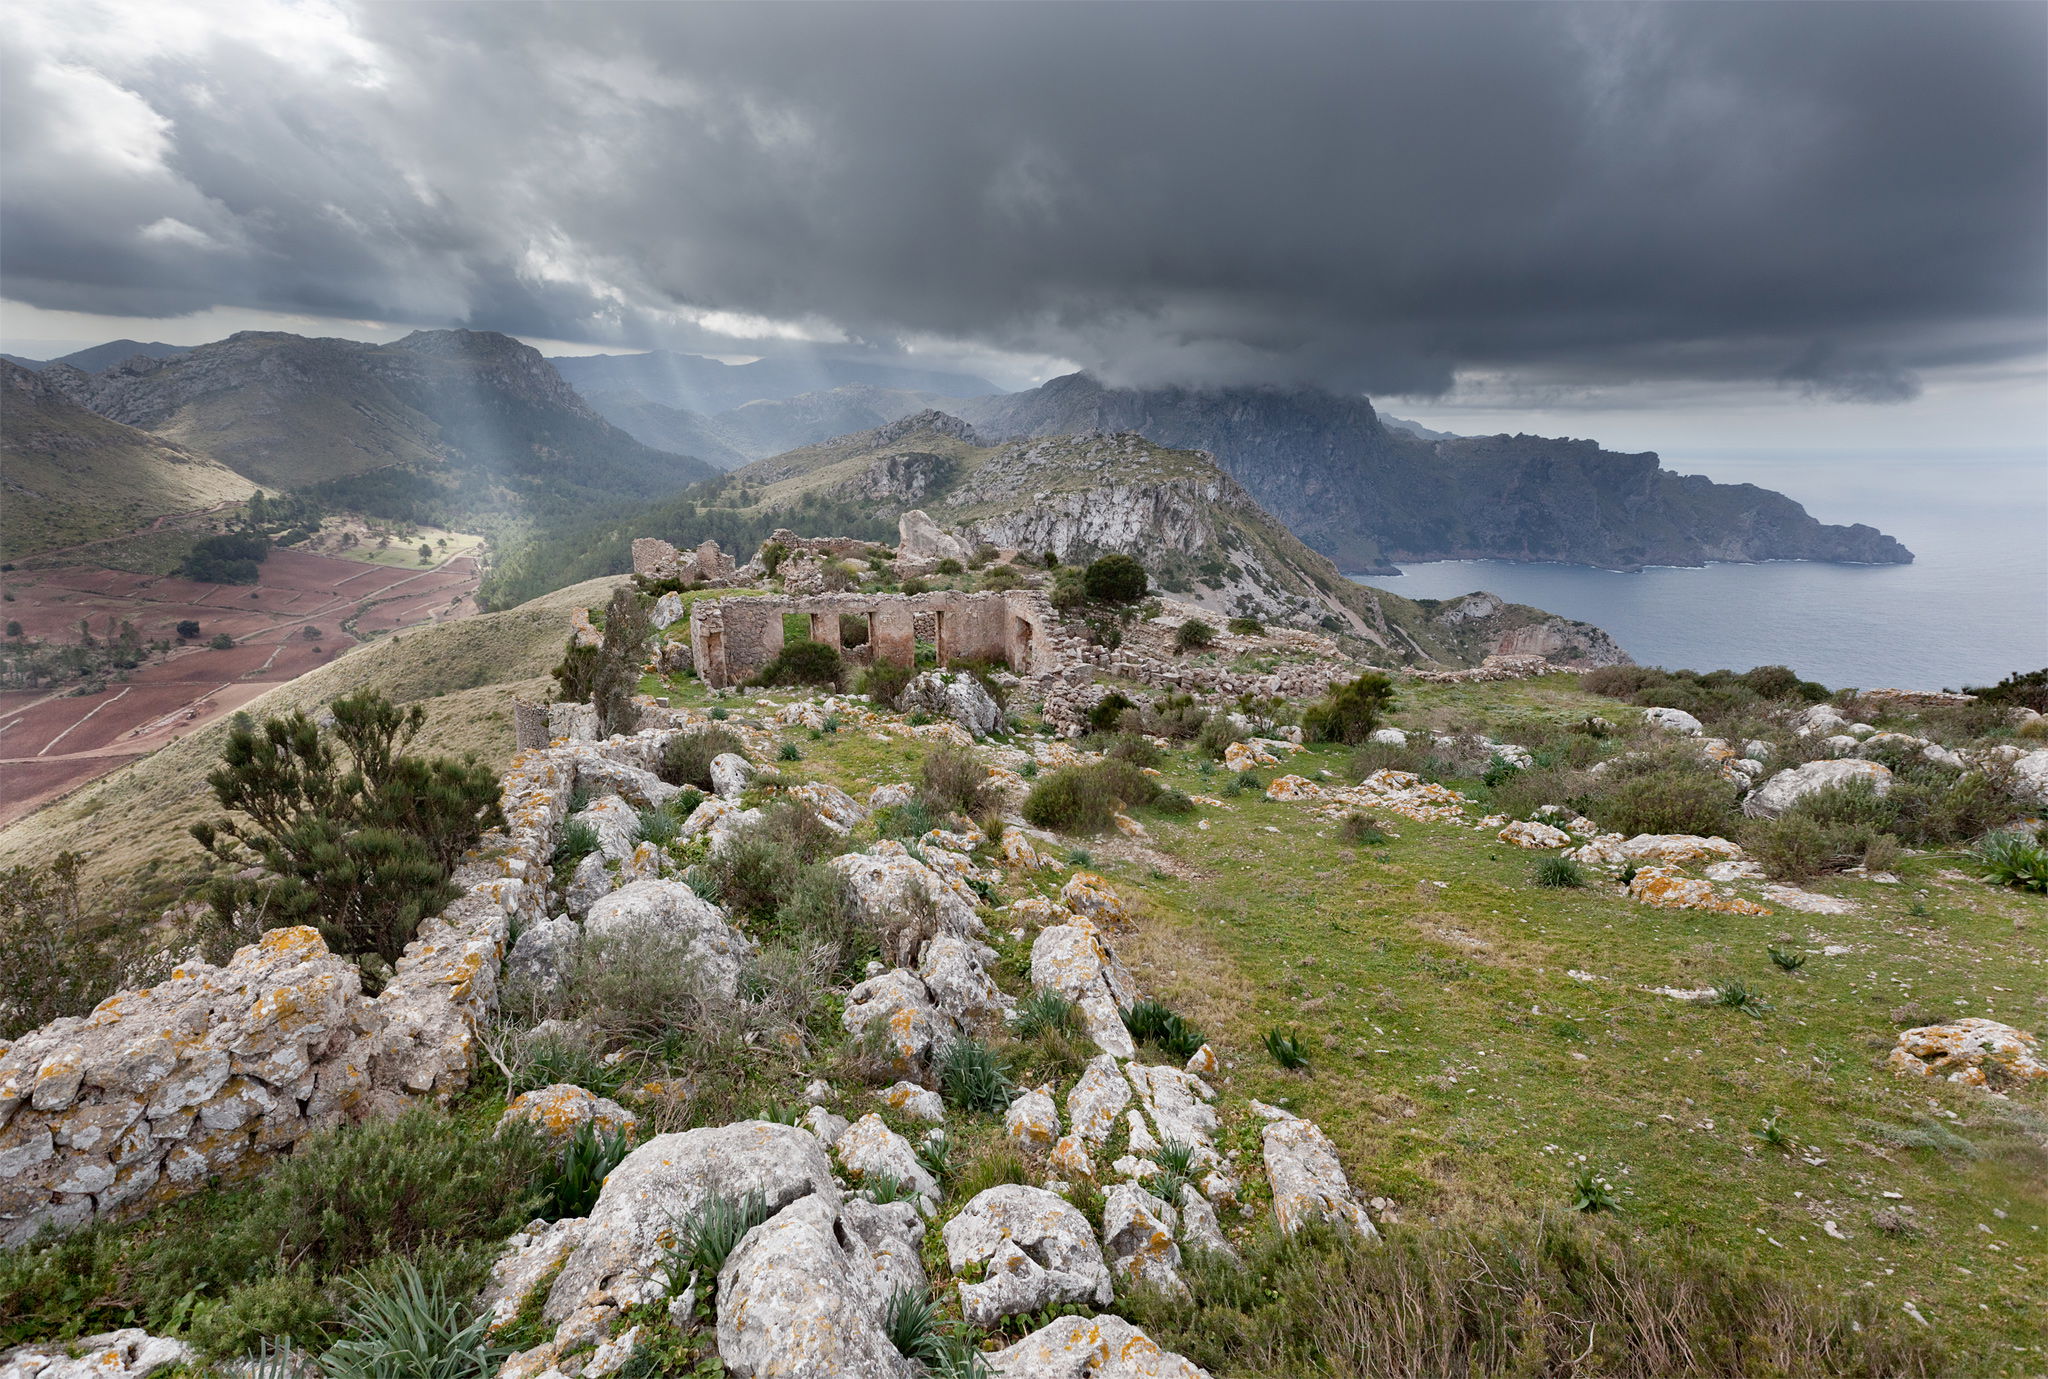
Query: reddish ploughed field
[52, 742]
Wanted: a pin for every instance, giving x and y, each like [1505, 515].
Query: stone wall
[657, 559]
[731, 639]
[208, 1072]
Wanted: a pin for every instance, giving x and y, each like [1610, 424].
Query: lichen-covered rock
[955, 971]
[1097, 1099]
[904, 901]
[1667, 888]
[1199, 1229]
[730, 773]
[825, 1125]
[1089, 896]
[1525, 833]
[1973, 1051]
[560, 1109]
[1018, 852]
[955, 695]
[1100, 1347]
[1292, 788]
[2030, 774]
[666, 1182]
[1037, 1249]
[1033, 1121]
[1787, 788]
[1308, 1180]
[891, 796]
[870, 1149]
[1178, 1103]
[1243, 756]
[1075, 961]
[129, 1354]
[912, 1027]
[1069, 1158]
[840, 811]
[913, 1100]
[541, 957]
[671, 913]
[1138, 1235]
[528, 1257]
[806, 1294]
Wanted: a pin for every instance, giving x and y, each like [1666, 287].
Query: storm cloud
[1828, 197]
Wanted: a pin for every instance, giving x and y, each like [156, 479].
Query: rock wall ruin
[732, 639]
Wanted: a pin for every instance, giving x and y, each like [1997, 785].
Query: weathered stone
[1308, 1180]
[1198, 1226]
[825, 1125]
[1097, 1099]
[913, 1100]
[955, 695]
[1674, 721]
[955, 971]
[1137, 1235]
[1178, 1103]
[666, 1182]
[806, 1293]
[730, 773]
[869, 1148]
[129, 1354]
[1787, 788]
[1973, 1051]
[671, 914]
[1525, 834]
[920, 538]
[905, 902]
[542, 956]
[561, 1109]
[1033, 1121]
[527, 1258]
[1075, 961]
[913, 1029]
[1102, 1347]
[1037, 1248]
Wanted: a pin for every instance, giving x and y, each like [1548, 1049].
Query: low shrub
[1193, 635]
[884, 682]
[1114, 579]
[1216, 735]
[1286, 1048]
[704, 1242]
[2013, 859]
[686, 760]
[1560, 871]
[1134, 749]
[802, 662]
[1349, 713]
[954, 780]
[1083, 799]
[1046, 1011]
[1662, 795]
[758, 869]
[1247, 627]
[1107, 715]
[1360, 830]
[1173, 802]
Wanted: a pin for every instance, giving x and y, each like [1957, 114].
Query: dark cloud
[1828, 196]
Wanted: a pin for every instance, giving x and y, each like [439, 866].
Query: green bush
[1073, 799]
[707, 1239]
[884, 682]
[953, 779]
[974, 1077]
[948, 566]
[2013, 859]
[1107, 714]
[802, 662]
[1663, 796]
[1193, 635]
[1247, 627]
[754, 872]
[1286, 1048]
[1349, 712]
[2021, 689]
[686, 760]
[1046, 1011]
[1114, 579]
[1216, 735]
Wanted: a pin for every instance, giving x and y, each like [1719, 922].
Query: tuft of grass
[410, 1328]
[789, 751]
[1736, 996]
[659, 826]
[886, 1187]
[1560, 871]
[935, 1155]
[974, 1077]
[1359, 830]
[1772, 1133]
[704, 1241]
[1788, 962]
[1286, 1048]
[579, 1172]
[1046, 1011]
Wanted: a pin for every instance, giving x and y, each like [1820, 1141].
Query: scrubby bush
[1073, 799]
[974, 1077]
[1114, 579]
[1217, 732]
[1193, 635]
[802, 662]
[885, 681]
[1561, 872]
[1247, 627]
[66, 948]
[608, 674]
[1662, 794]
[686, 760]
[954, 780]
[1107, 714]
[361, 853]
[2021, 690]
[1349, 712]
[754, 871]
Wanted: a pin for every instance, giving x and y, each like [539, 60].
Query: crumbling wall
[654, 558]
[731, 639]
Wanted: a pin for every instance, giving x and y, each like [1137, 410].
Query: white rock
[1038, 1250]
[1074, 960]
[542, 956]
[1178, 1103]
[1198, 1227]
[1390, 737]
[2030, 773]
[1137, 1234]
[920, 538]
[1097, 1099]
[825, 1125]
[1033, 1121]
[1102, 1347]
[127, 1354]
[1308, 1180]
[730, 773]
[912, 1100]
[913, 1028]
[805, 1295]
[1820, 720]
[870, 1148]
[668, 610]
[1787, 788]
[1674, 721]
[955, 971]
[955, 695]
[671, 914]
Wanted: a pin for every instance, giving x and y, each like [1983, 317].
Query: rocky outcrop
[1366, 496]
[955, 695]
[920, 538]
[1973, 1051]
[129, 1354]
[1091, 1348]
[1309, 1185]
[1788, 787]
[1035, 1249]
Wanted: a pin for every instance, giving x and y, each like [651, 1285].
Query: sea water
[1970, 609]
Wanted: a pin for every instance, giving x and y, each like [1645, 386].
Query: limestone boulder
[912, 1028]
[1101, 1347]
[616, 824]
[1036, 1248]
[1390, 737]
[559, 1110]
[1178, 1103]
[667, 611]
[870, 1149]
[542, 956]
[955, 971]
[603, 775]
[1524, 833]
[1138, 1236]
[1097, 1099]
[128, 1354]
[1674, 721]
[905, 902]
[1788, 787]
[1199, 1229]
[730, 773]
[920, 538]
[955, 695]
[1973, 1051]
[2030, 774]
[665, 1183]
[670, 915]
[1818, 720]
[1077, 962]
[806, 1294]
[528, 1257]
[1033, 1121]
[912, 1100]
[1308, 1181]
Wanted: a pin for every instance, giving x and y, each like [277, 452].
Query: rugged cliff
[1367, 495]
[1196, 529]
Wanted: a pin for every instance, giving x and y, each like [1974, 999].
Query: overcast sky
[1815, 221]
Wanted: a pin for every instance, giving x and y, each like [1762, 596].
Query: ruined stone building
[732, 638]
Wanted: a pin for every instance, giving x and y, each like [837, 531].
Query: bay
[1970, 609]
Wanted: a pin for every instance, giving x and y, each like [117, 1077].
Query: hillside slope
[1197, 530]
[70, 476]
[132, 822]
[477, 408]
[1367, 496]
